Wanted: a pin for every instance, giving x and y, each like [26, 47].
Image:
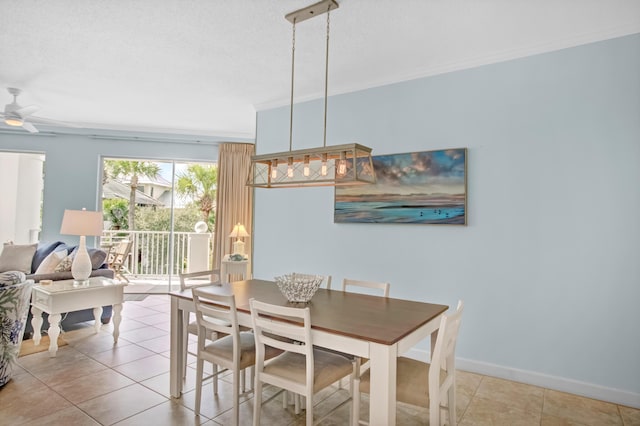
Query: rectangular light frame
[290, 167]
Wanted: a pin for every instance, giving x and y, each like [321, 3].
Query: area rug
[28, 347]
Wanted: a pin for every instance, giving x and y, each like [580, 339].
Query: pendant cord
[326, 80]
[293, 61]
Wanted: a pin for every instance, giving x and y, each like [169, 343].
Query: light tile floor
[93, 382]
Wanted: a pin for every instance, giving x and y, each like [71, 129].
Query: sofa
[15, 293]
[52, 261]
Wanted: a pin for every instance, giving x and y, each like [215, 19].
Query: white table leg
[176, 354]
[117, 318]
[97, 316]
[382, 399]
[36, 324]
[54, 332]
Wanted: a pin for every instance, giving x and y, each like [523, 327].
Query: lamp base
[81, 266]
[238, 247]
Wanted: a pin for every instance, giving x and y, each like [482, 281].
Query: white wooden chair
[384, 287]
[234, 352]
[422, 384]
[193, 280]
[301, 369]
[381, 287]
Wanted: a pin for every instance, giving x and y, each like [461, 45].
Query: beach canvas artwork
[428, 187]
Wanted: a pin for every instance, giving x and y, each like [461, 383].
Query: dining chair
[301, 368]
[384, 287]
[347, 285]
[190, 280]
[234, 352]
[431, 385]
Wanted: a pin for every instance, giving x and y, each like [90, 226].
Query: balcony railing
[152, 251]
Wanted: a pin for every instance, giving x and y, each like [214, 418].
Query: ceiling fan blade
[40, 120]
[25, 111]
[29, 127]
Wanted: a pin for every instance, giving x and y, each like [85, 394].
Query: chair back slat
[215, 312]
[287, 322]
[373, 285]
[199, 278]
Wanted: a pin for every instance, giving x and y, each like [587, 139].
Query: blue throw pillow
[97, 256]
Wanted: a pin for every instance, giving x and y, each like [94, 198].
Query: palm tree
[131, 169]
[199, 182]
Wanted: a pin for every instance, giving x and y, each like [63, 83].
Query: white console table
[228, 266]
[68, 296]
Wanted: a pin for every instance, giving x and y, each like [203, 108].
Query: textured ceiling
[205, 66]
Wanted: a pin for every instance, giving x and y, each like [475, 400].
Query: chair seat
[223, 348]
[344, 354]
[329, 368]
[192, 328]
[414, 376]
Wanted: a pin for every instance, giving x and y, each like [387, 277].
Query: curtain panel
[234, 200]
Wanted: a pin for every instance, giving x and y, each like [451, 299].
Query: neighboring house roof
[144, 180]
[114, 189]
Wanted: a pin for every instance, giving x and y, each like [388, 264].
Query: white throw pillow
[17, 257]
[50, 262]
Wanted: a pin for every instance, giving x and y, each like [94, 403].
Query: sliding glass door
[166, 208]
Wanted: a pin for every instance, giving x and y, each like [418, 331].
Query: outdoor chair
[117, 259]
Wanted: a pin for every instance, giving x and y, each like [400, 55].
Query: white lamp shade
[81, 222]
[239, 231]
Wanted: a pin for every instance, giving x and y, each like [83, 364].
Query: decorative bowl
[299, 288]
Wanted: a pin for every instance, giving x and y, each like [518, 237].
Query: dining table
[377, 328]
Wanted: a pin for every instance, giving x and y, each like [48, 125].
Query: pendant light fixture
[348, 164]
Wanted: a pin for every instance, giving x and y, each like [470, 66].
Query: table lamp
[238, 232]
[82, 223]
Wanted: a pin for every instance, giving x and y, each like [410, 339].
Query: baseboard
[562, 384]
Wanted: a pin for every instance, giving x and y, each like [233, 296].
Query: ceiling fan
[18, 116]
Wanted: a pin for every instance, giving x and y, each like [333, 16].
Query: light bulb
[305, 171]
[323, 170]
[342, 164]
[274, 170]
[290, 167]
[13, 121]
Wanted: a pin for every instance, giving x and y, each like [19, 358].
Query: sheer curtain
[234, 201]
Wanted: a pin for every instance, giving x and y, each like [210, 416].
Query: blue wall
[549, 263]
[74, 159]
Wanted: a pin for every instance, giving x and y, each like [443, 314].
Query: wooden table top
[371, 318]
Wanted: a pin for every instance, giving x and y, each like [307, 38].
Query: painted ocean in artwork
[427, 187]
